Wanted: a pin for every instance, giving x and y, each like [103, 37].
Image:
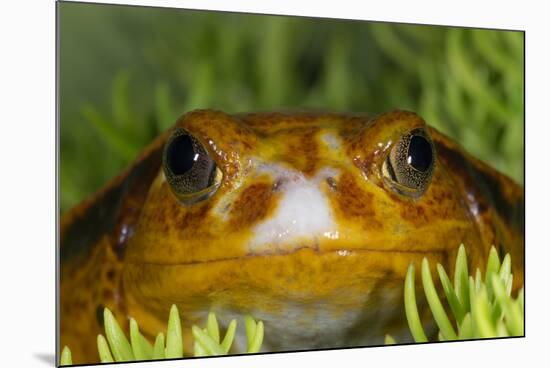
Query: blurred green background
[126, 74]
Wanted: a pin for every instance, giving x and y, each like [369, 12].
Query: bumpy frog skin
[303, 232]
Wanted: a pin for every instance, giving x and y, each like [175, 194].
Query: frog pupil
[180, 155]
[419, 155]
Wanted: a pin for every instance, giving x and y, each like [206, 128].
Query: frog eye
[191, 172]
[409, 167]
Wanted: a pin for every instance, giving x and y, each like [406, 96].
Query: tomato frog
[307, 221]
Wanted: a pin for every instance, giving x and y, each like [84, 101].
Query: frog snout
[302, 213]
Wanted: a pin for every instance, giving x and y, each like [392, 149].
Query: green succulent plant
[116, 347]
[481, 306]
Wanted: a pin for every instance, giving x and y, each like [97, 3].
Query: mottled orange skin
[201, 258]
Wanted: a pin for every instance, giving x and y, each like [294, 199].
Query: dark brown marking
[354, 203]
[310, 150]
[352, 200]
[413, 213]
[439, 202]
[194, 219]
[253, 205]
[302, 150]
[111, 210]
[484, 188]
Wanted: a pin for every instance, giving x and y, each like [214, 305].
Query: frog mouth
[314, 251]
[300, 275]
[240, 247]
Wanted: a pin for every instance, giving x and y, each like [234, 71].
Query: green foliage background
[126, 73]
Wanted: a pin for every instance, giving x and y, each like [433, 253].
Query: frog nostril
[332, 183]
[277, 184]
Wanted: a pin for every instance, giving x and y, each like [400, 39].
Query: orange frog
[306, 221]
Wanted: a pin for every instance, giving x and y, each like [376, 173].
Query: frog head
[271, 213]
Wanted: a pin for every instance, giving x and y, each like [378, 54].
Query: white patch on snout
[303, 212]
